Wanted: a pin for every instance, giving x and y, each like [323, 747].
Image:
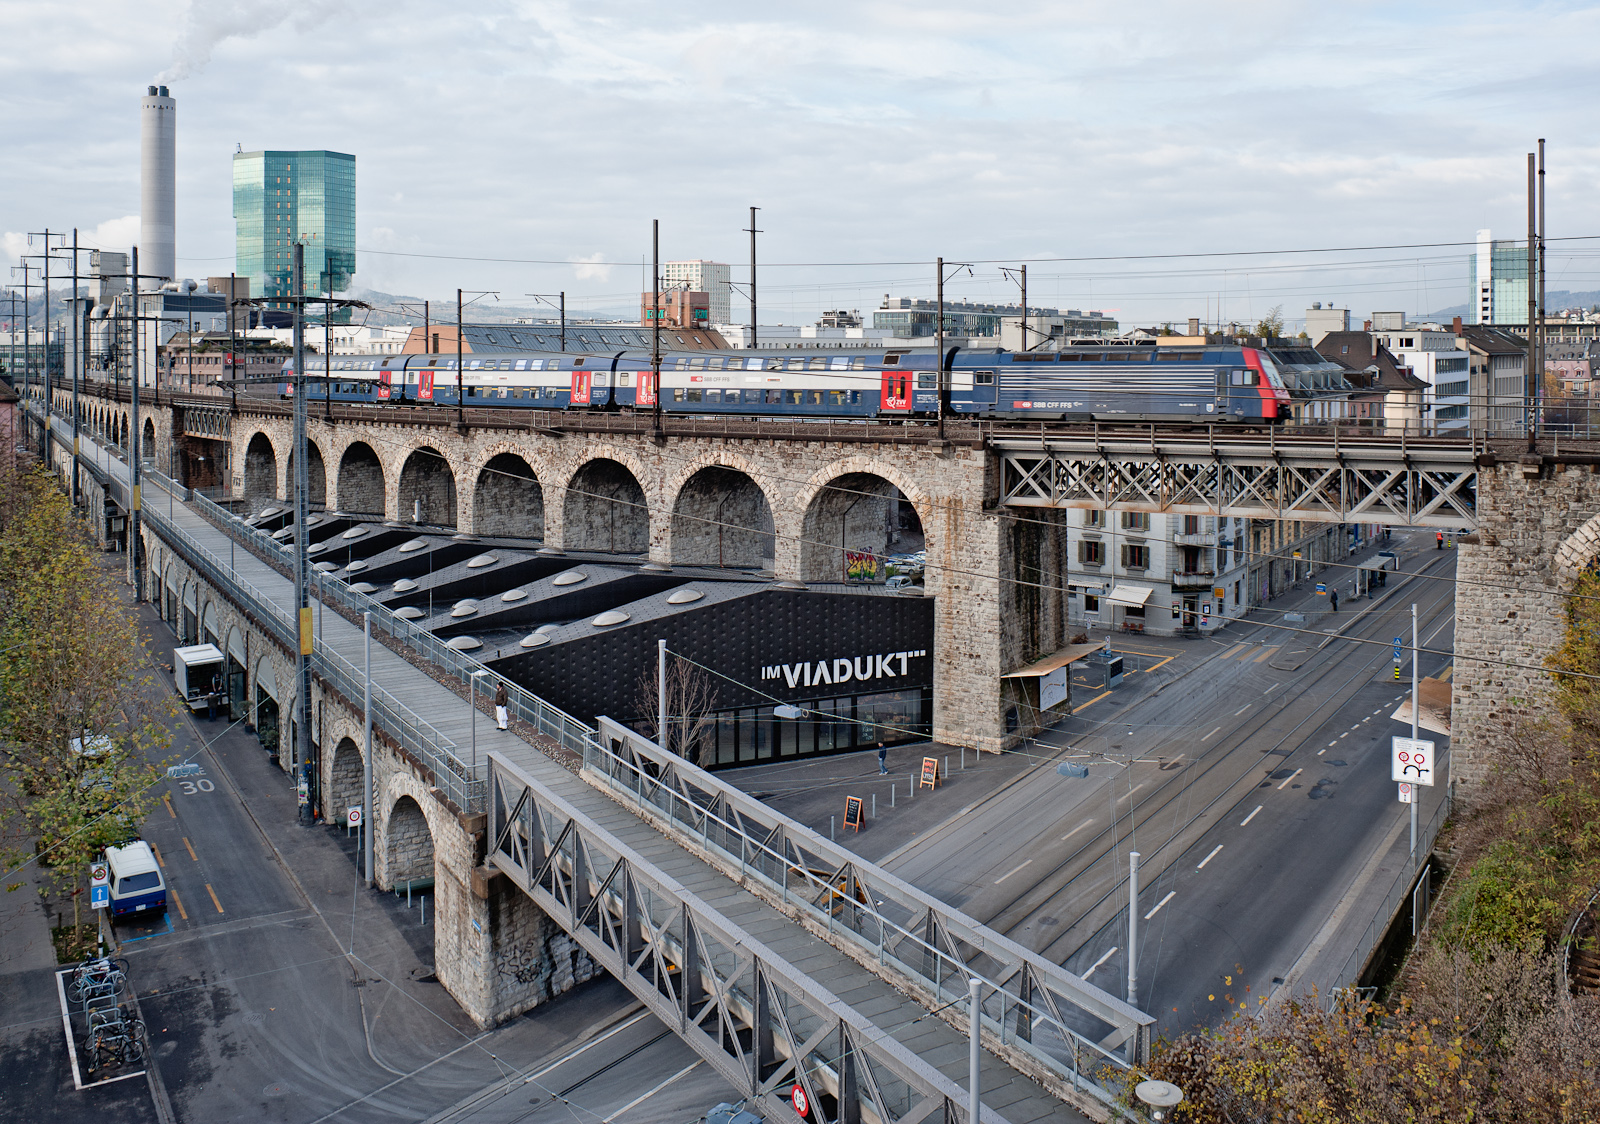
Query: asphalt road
[1234, 895]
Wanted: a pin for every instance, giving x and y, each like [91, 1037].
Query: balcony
[1204, 538]
[1193, 579]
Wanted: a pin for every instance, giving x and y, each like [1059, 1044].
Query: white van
[136, 882]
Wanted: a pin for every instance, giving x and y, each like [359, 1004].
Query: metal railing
[1350, 973]
[1041, 1018]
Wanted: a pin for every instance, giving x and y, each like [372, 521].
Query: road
[1256, 788]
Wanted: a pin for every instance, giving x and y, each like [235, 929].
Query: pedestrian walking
[216, 693]
[883, 760]
[1333, 595]
[500, 701]
[1438, 538]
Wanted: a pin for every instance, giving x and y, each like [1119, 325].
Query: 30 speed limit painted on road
[797, 1097]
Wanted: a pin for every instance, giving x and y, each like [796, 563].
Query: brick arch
[720, 513]
[807, 549]
[1580, 551]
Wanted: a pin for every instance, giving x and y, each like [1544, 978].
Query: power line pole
[1543, 312]
[754, 330]
[461, 413]
[134, 436]
[302, 543]
[1528, 383]
[938, 355]
[563, 320]
[233, 355]
[655, 315]
[77, 365]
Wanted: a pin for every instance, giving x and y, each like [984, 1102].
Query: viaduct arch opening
[359, 487]
[316, 476]
[428, 489]
[721, 517]
[344, 782]
[260, 472]
[410, 843]
[507, 499]
[851, 525]
[605, 510]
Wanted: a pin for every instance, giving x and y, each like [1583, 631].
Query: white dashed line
[1170, 895]
[1012, 871]
[1286, 780]
[1242, 709]
[1346, 734]
[1212, 734]
[1333, 743]
[1112, 951]
[1209, 857]
[1075, 830]
[1250, 817]
[1321, 751]
[1131, 791]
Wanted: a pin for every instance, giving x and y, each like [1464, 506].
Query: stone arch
[605, 509]
[344, 781]
[721, 517]
[147, 445]
[122, 435]
[260, 472]
[210, 630]
[850, 513]
[428, 488]
[316, 475]
[507, 499]
[409, 842]
[359, 487]
[1580, 551]
[234, 665]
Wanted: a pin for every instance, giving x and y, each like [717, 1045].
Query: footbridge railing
[1044, 1020]
[762, 1024]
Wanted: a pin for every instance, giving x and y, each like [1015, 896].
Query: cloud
[590, 268]
[207, 24]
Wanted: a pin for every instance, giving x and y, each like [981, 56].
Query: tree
[691, 701]
[81, 722]
[1271, 326]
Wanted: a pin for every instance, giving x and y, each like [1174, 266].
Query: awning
[1130, 594]
[1050, 663]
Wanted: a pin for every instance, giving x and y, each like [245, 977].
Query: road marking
[1075, 830]
[1212, 734]
[1368, 718]
[1333, 743]
[1091, 702]
[1131, 791]
[1346, 734]
[1378, 711]
[1267, 653]
[157, 852]
[1242, 709]
[1321, 751]
[1170, 895]
[1250, 817]
[1112, 951]
[214, 900]
[1209, 857]
[1012, 871]
[192, 855]
[1357, 726]
[1444, 676]
[1272, 688]
[167, 800]
[1153, 666]
[183, 913]
[1289, 778]
[1230, 653]
[646, 1096]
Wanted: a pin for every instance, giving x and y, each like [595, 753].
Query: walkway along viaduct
[717, 913]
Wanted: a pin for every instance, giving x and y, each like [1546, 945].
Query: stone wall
[1537, 528]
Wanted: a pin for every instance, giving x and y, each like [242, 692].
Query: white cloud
[591, 269]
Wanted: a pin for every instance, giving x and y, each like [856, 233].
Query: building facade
[712, 278]
[910, 318]
[1499, 282]
[281, 197]
[1435, 356]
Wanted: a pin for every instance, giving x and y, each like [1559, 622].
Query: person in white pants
[500, 713]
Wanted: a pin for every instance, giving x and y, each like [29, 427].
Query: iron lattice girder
[763, 1025]
[1402, 483]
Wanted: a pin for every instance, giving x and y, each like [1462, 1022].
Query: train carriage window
[791, 397]
[578, 362]
[715, 363]
[536, 364]
[774, 363]
[624, 378]
[522, 365]
[839, 363]
[713, 394]
[820, 363]
[693, 395]
[677, 394]
[858, 363]
[983, 378]
[752, 397]
[698, 363]
[838, 397]
[774, 397]
[892, 360]
[929, 381]
[683, 364]
[797, 364]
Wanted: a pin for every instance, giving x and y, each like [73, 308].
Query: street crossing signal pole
[1416, 706]
[302, 541]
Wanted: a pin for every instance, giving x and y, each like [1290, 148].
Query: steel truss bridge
[765, 1018]
[1405, 482]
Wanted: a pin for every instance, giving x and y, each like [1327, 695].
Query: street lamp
[473, 684]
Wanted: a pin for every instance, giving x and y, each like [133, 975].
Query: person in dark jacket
[500, 712]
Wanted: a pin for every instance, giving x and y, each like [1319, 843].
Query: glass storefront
[753, 734]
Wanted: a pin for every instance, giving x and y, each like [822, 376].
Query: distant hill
[1555, 300]
[388, 311]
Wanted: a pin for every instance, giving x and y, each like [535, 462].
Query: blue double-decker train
[1202, 383]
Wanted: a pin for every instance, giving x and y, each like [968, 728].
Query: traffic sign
[1322, 587]
[1399, 645]
[797, 1097]
[1412, 761]
[1408, 793]
[352, 816]
[99, 888]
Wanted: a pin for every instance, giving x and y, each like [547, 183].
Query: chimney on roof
[1455, 325]
[1366, 325]
[1194, 325]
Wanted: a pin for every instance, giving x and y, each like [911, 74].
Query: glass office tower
[279, 197]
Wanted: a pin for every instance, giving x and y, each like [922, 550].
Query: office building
[283, 197]
[1320, 321]
[908, 318]
[712, 278]
[1499, 280]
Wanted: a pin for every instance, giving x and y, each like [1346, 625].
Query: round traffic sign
[98, 872]
[797, 1097]
[353, 816]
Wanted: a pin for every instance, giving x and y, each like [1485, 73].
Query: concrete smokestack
[158, 168]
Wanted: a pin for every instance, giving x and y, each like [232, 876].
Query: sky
[1092, 140]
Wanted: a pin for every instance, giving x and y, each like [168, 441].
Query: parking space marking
[1091, 702]
[214, 900]
[167, 800]
[157, 852]
[189, 845]
[177, 901]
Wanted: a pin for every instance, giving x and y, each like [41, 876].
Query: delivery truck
[192, 670]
